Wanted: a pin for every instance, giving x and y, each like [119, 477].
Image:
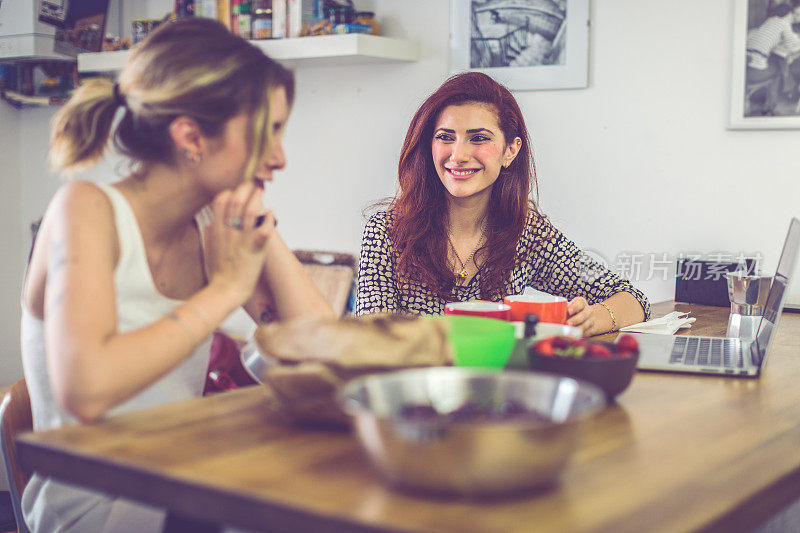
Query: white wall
[11, 268]
[13, 238]
[640, 161]
[347, 128]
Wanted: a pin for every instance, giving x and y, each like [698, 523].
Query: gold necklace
[463, 272]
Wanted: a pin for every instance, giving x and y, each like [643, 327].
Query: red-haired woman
[463, 225]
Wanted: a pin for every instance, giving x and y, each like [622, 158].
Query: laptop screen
[777, 292]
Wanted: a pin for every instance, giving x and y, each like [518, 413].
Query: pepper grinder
[748, 295]
[531, 321]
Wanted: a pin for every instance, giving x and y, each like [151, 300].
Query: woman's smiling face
[469, 149]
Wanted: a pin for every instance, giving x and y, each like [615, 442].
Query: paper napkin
[530, 291]
[667, 324]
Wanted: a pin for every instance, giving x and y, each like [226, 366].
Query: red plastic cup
[548, 308]
[478, 308]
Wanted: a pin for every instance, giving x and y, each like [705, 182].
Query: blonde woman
[128, 281]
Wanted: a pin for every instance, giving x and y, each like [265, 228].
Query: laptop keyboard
[702, 351]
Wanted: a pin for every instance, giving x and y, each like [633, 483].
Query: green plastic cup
[480, 342]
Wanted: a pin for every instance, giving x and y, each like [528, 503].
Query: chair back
[15, 418]
[333, 273]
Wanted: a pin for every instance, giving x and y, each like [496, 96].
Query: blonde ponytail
[194, 67]
[80, 130]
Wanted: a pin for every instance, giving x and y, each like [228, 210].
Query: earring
[505, 165]
[192, 157]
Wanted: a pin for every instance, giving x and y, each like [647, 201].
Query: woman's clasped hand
[591, 319]
[237, 245]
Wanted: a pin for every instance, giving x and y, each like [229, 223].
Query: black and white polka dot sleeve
[569, 272]
[377, 287]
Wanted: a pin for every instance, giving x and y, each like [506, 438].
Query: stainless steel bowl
[254, 362]
[468, 458]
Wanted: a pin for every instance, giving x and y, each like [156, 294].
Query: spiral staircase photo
[517, 33]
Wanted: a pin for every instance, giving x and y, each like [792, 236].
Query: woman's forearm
[285, 287]
[90, 377]
[627, 310]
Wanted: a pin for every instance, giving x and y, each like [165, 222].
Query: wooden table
[677, 453]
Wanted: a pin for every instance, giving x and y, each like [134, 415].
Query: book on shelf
[214, 9]
[287, 18]
[278, 19]
[224, 12]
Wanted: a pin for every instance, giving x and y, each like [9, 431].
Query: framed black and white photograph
[524, 44]
[766, 65]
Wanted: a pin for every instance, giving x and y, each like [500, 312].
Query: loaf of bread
[317, 356]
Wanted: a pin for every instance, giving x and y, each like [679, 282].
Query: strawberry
[561, 343]
[627, 344]
[598, 350]
[545, 347]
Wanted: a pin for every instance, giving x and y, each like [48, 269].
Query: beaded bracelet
[613, 318]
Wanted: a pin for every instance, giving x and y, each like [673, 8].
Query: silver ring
[235, 223]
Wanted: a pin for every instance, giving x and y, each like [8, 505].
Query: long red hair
[417, 225]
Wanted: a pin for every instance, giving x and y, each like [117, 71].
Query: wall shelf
[321, 50]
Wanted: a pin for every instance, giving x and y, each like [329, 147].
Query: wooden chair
[15, 417]
[333, 273]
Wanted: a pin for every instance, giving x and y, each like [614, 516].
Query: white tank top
[52, 506]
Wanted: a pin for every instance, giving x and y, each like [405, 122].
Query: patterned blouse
[558, 267]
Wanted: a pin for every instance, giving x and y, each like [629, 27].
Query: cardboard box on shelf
[302, 15]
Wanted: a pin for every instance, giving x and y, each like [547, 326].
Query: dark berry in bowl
[472, 412]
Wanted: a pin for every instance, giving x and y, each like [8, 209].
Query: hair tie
[118, 98]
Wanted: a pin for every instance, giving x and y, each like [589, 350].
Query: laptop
[727, 356]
